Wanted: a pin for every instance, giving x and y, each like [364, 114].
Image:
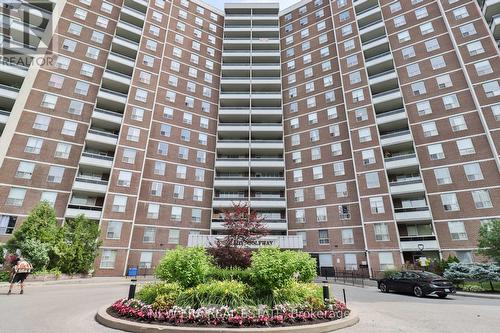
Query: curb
[106, 319]
[477, 295]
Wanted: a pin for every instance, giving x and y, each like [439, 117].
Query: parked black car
[418, 283]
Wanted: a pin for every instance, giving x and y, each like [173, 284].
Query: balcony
[102, 137]
[376, 46]
[260, 163]
[387, 99]
[365, 14]
[495, 26]
[21, 31]
[107, 116]
[96, 160]
[113, 97]
[226, 182]
[116, 81]
[395, 138]
[91, 212]
[383, 60]
[267, 182]
[140, 5]
[412, 243]
[274, 225]
[406, 187]
[412, 214]
[379, 78]
[132, 16]
[267, 202]
[120, 63]
[128, 31]
[372, 30]
[87, 185]
[15, 70]
[394, 116]
[125, 47]
[490, 8]
[8, 96]
[223, 202]
[401, 161]
[4, 116]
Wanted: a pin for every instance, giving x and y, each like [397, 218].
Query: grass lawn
[486, 286]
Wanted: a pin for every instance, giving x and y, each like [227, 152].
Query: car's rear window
[430, 275]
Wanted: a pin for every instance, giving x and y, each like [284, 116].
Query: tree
[80, 245]
[489, 240]
[41, 226]
[242, 229]
[485, 272]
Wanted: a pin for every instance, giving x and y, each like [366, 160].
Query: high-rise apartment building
[364, 132]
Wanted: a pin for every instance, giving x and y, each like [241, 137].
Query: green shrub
[165, 301]
[273, 269]
[222, 293]
[150, 292]
[299, 294]
[4, 276]
[233, 273]
[473, 288]
[36, 252]
[186, 266]
[388, 273]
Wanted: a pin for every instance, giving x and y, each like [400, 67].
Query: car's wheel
[442, 295]
[383, 287]
[417, 291]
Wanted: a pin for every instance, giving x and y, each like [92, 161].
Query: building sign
[284, 242]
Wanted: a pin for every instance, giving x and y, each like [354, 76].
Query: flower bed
[245, 316]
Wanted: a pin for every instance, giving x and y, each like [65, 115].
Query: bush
[232, 273]
[36, 252]
[458, 272]
[4, 276]
[186, 266]
[297, 293]
[390, 273]
[273, 269]
[150, 292]
[224, 293]
[473, 288]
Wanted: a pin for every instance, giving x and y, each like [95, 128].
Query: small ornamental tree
[489, 240]
[242, 229]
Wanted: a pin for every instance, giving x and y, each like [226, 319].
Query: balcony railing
[381, 74]
[85, 207]
[388, 92]
[111, 113]
[367, 10]
[411, 209]
[366, 42]
[417, 238]
[104, 133]
[98, 156]
[113, 92]
[394, 134]
[378, 56]
[390, 113]
[91, 181]
[406, 182]
[400, 157]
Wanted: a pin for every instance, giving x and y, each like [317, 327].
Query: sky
[220, 3]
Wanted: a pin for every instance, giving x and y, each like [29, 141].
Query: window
[159, 168]
[491, 89]
[82, 88]
[358, 95]
[429, 128]
[465, 147]
[69, 45]
[176, 214]
[465, 257]
[49, 101]
[317, 172]
[92, 53]
[467, 30]
[460, 13]
[341, 189]
[413, 70]
[33, 145]
[457, 230]
[395, 7]
[315, 154]
[377, 205]
[149, 235]
[25, 170]
[108, 258]
[41, 122]
[473, 172]
[475, 48]
[153, 211]
[435, 152]
[482, 199]
[423, 108]
[325, 66]
[323, 237]
[450, 202]
[418, 88]
[450, 102]
[296, 157]
[483, 68]
[421, 12]
[62, 62]
[364, 135]
[338, 169]
[349, 45]
[355, 77]
[399, 21]
[347, 236]
[300, 216]
[381, 232]
[458, 123]
[442, 176]
[438, 62]
[368, 156]
[386, 260]
[297, 176]
[128, 156]
[372, 180]
[426, 28]
[361, 114]
[319, 193]
[165, 130]
[295, 139]
[178, 191]
[321, 215]
[87, 70]
[173, 236]
[298, 195]
[196, 215]
[62, 150]
[350, 262]
[56, 81]
[146, 258]
[408, 52]
[119, 204]
[404, 36]
[444, 81]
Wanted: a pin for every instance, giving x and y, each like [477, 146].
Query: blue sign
[132, 271]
